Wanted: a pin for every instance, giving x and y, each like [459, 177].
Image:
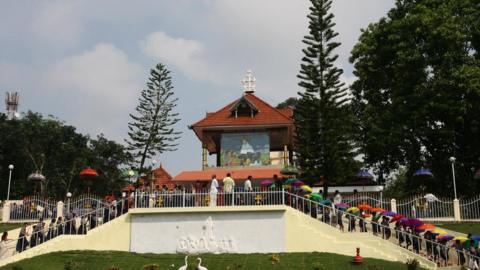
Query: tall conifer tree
[151, 132]
[322, 115]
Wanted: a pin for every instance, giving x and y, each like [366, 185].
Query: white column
[393, 204]
[60, 206]
[456, 210]
[6, 212]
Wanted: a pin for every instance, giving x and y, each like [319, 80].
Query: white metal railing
[437, 251]
[434, 250]
[33, 208]
[34, 235]
[202, 198]
[426, 208]
[470, 208]
[84, 204]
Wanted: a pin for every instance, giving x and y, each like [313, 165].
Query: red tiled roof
[237, 174]
[267, 115]
[161, 177]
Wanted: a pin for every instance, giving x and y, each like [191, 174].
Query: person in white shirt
[213, 191]
[214, 183]
[228, 185]
[5, 251]
[247, 187]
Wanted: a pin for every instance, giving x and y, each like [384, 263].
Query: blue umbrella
[364, 174]
[476, 238]
[326, 202]
[423, 173]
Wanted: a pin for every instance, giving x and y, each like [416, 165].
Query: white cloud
[105, 85]
[184, 54]
[58, 22]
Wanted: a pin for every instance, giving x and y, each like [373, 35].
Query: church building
[248, 136]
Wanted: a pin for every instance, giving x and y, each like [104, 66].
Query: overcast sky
[85, 62]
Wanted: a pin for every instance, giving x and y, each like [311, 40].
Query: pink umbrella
[298, 183]
[265, 183]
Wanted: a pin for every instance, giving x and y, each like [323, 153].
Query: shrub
[318, 266]
[113, 268]
[151, 266]
[71, 265]
[16, 267]
[412, 264]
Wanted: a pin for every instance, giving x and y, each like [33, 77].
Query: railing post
[6, 212]
[135, 198]
[456, 210]
[183, 198]
[233, 196]
[393, 204]
[60, 206]
[283, 196]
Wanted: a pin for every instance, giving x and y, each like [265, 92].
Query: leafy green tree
[418, 91]
[289, 102]
[151, 132]
[34, 143]
[322, 118]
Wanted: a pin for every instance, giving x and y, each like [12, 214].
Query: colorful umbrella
[377, 210]
[289, 181]
[326, 202]
[396, 217]
[298, 183]
[364, 174]
[389, 214]
[425, 173]
[353, 210]
[364, 207]
[426, 227]
[414, 222]
[476, 238]
[88, 174]
[445, 237]
[342, 205]
[316, 196]
[306, 188]
[461, 238]
[439, 231]
[287, 186]
[403, 221]
[366, 215]
[265, 183]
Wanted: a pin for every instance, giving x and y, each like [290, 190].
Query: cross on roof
[249, 82]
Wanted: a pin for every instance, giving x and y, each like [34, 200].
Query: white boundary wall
[214, 232]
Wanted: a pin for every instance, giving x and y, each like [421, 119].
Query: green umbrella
[290, 181]
[316, 196]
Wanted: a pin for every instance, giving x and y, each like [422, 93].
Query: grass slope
[463, 227]
[103, 260]
[9, 226]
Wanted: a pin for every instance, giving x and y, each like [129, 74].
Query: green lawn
[463, 227]
[9, 226]
[104, 260]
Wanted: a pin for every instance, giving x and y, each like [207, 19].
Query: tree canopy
[49, 146]
[323, 121]
[417, 95]
[151, 131]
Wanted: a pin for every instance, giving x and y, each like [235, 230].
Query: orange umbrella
[366, 215]
[396, 217]
[377, 210]
[426, 227]
[364, 207]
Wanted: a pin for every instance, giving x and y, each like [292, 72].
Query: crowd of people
[442, 251]
[72, 224]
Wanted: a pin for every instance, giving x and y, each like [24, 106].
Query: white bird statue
[185, 267]
[199, 266]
